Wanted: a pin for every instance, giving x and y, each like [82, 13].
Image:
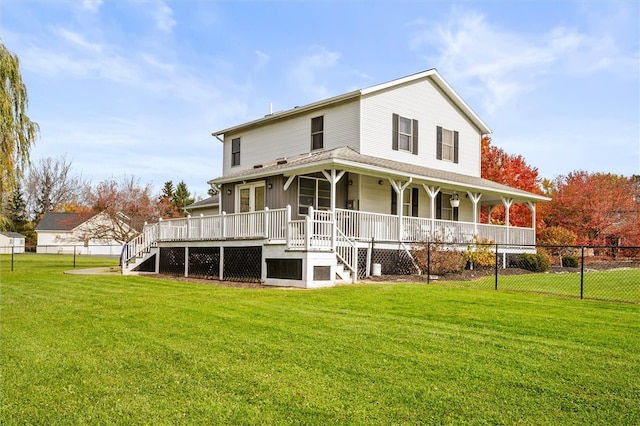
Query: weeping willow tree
[18, 131]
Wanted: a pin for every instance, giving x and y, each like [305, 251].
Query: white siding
[422, 101]
[375, 198]
[292, 136]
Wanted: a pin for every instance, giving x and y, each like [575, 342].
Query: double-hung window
[313, 192]
[447, 144]
[317, 133]
[235, 152]
[405, 134]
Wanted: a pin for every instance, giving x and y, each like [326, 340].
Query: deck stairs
[140, 249]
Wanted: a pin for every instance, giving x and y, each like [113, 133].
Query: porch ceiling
[349, 160]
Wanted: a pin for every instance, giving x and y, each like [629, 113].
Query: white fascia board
[446, 88]
[352, 166]
[288, 113]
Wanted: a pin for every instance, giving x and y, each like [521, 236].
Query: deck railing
[317, 229]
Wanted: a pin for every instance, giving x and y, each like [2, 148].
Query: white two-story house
[316, 194]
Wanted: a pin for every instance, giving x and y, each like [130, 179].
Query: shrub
[570, 261]
[533, 262]
[442, 260]
[480, 254]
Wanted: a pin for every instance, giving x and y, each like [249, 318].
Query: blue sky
[137, 87]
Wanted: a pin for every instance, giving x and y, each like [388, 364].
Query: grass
[134, 350]
[614, 285]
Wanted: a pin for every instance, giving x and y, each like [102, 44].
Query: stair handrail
[140, 244]
[342, 252]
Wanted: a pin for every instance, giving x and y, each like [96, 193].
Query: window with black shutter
[405, 134]
[447, 144]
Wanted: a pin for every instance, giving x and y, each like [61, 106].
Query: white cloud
[307, 73]
[261, 60]
[91, 5]
[506, 64]
[164, 17]
[78, 40]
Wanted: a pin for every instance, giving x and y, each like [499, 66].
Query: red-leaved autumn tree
[511, 170]
[127, 203]
[597, 207]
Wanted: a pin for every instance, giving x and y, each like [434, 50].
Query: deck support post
[186, 261]
[221, 266]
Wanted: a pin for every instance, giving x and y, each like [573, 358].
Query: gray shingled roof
[62, 221]
[12, 234]
[345, 158]
[207, 202]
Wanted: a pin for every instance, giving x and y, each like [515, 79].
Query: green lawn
[615, 285]
[132, 350]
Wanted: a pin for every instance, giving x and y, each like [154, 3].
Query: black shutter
[455, 147]
[394, 143]
[455, 214]
[439, 143]
[394, 202]
[415, 137]
[439, 205]
[414, 202]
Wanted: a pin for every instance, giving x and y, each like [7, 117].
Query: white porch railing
[317, 232]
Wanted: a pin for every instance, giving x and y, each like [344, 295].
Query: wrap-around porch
[321, 230]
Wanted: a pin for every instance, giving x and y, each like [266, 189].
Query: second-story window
[317, 133]
[447, 144]
[235, 152]
[405, 134]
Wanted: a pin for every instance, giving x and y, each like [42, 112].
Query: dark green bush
[570, 261]
[533, 262]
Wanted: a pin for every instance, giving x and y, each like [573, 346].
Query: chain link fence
[610, 273]
[70, 253]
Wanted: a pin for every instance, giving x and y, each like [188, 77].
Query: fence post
[496, 269]
[582, 272]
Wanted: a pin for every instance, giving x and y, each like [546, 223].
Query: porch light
[454, 200]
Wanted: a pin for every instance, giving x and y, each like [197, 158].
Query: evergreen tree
[182, 196]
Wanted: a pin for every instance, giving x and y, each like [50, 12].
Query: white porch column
[507, 206]
[333, 179]
[432, 191]
[399, 187]
[475, 199]
[532, 207]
